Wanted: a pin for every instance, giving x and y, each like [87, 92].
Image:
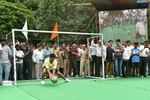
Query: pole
[99, 19]
[103, 60]
[148, 23]
[101, 37]
[58, 41]
[14, 57]
[60, 32]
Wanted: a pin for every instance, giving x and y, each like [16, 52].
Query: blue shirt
[46, 52]
[135, 55]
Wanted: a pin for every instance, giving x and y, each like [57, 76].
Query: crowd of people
[121, 59]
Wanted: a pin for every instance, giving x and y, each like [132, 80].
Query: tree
[46, 13]
[13, 15]
[69, 16]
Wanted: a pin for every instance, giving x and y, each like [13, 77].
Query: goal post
[50, 32]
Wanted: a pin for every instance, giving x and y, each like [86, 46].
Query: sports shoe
[67, 80]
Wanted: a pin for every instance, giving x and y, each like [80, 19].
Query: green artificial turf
[118, 89]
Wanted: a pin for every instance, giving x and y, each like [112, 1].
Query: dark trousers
[11, 77]
[75, 67]
[98, 67]
[78, 67]
[27, 69]
[135, 69]
[118, 66]
[144, 61]
[19, 67]
[93, 65]
[149, 65]
[109, 67]
[61, 70]
[126, 67]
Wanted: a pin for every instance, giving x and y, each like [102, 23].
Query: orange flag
[54, 35]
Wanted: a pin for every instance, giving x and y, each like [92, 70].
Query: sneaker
[7, 83]
[67, 80]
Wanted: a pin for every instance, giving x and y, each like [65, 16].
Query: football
[54, 79]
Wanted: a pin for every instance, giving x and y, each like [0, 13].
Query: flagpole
[57, 23]
[58, 41]
[103, 60]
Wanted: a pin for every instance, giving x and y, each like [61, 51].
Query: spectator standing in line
[144, 59]
[149, 59]
[19, 62]
[84, 61]
[100, 55]
[5, 65]
[66, 57]
[126, 59]
[27, 62]
[135, 59]
[74, 59]
[109, 60]
[93, 57]
[118, 58]
[46, 51]
[38, 60]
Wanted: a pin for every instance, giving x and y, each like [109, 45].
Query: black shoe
[144, 75]
[0, 83]
[124, 76]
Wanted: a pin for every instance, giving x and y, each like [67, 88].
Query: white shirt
[37, 56]
[141, 47]
[127, 53]
[0, 47]
[20, 54]
[145, 52]
[101, 52]
[93, 47]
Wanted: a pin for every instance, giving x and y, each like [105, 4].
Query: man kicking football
[50, 67]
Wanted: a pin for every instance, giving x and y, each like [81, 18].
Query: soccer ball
[42, 82]
[54, 79]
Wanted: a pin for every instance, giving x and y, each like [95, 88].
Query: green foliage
[43, 14]
[70, 17]
[13, 15]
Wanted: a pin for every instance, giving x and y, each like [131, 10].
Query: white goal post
[49, 32]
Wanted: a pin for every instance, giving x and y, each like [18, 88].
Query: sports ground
[79, 89]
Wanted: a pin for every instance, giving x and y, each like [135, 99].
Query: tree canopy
[13, 15]
[43, 14]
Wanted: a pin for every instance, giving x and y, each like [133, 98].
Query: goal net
[81, 42]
